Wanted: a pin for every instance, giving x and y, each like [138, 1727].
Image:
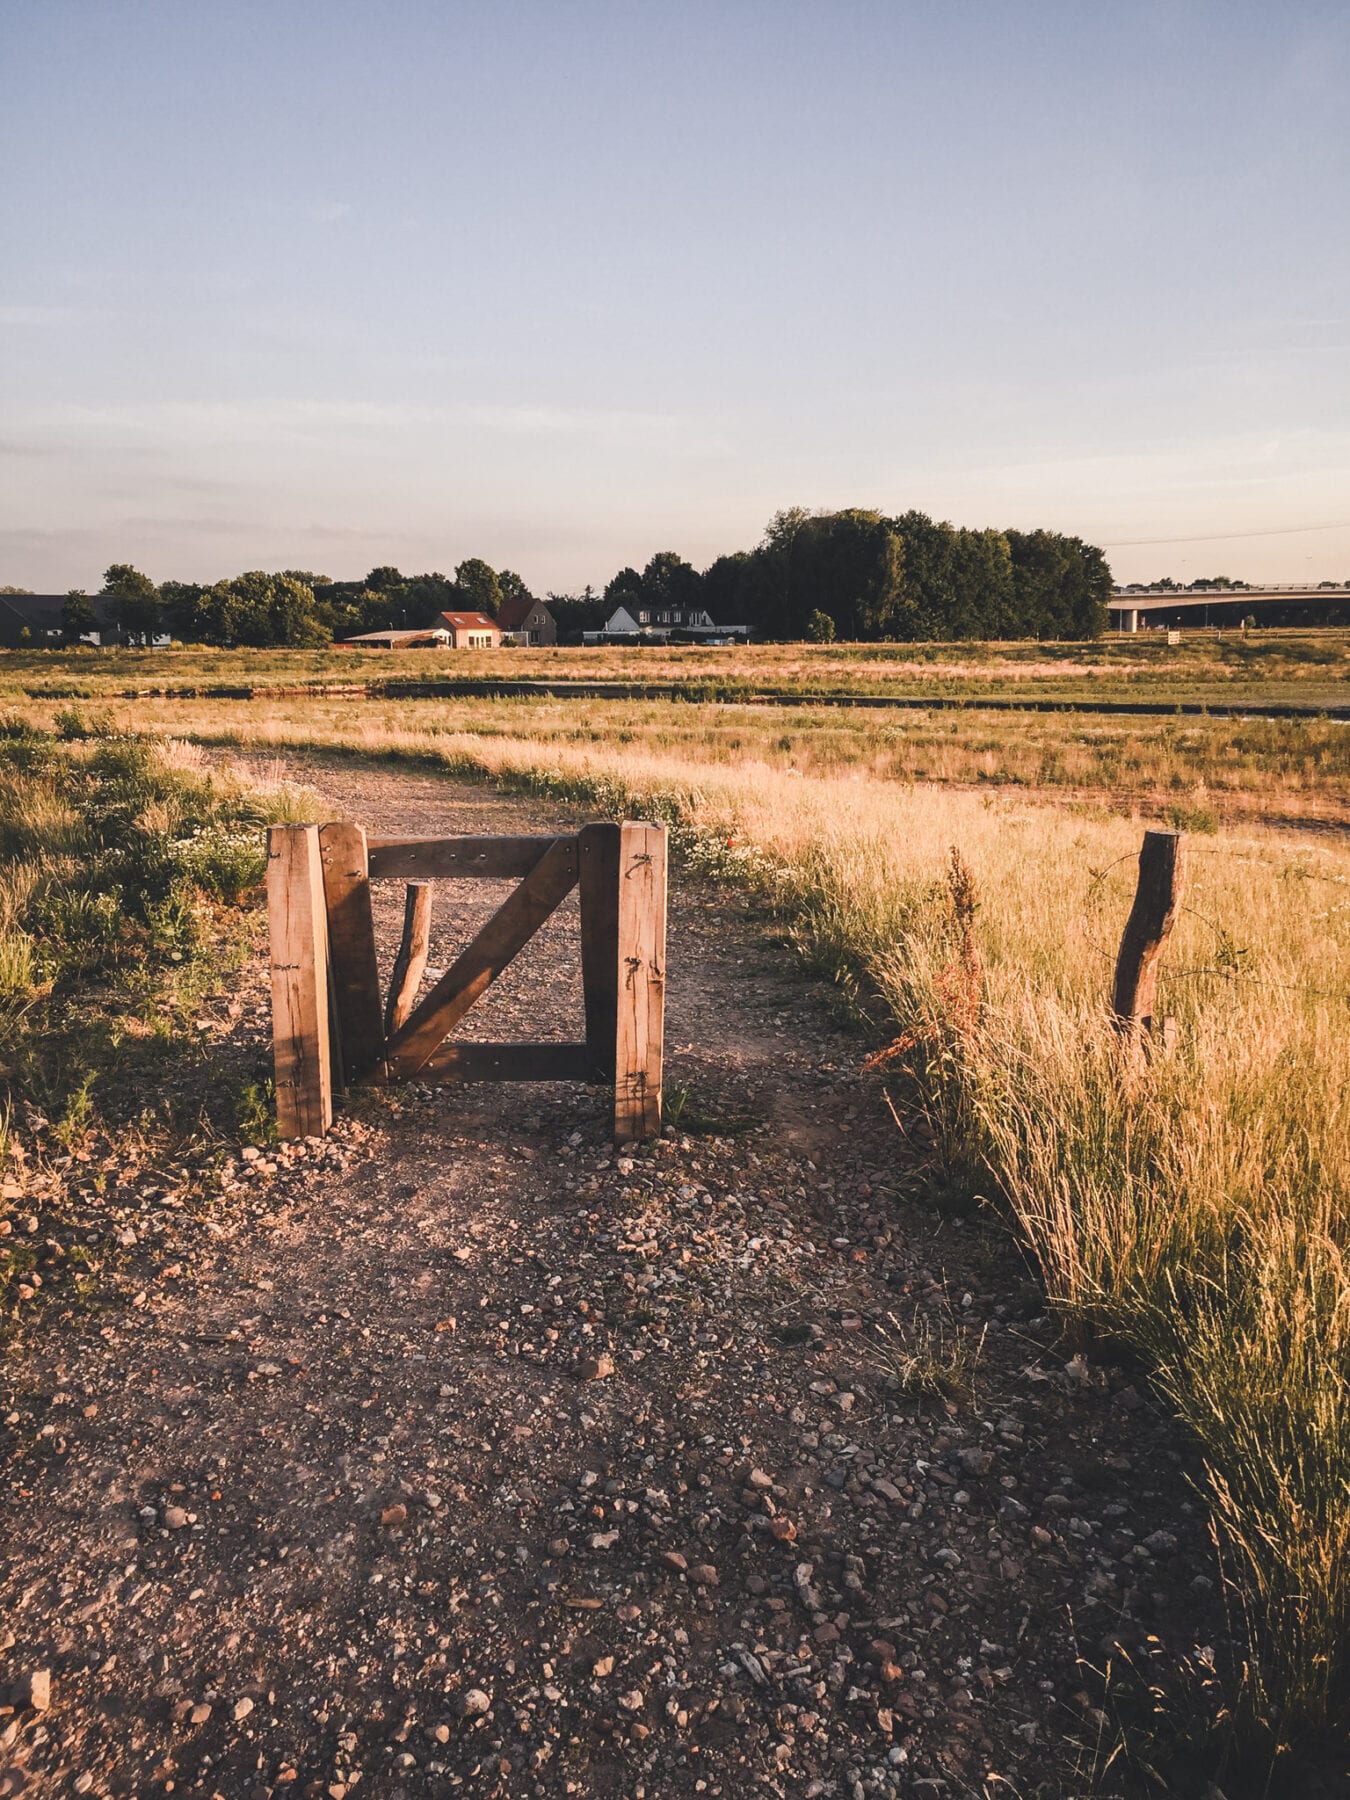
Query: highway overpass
[1135, 609]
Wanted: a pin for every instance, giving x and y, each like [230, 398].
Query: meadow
[964, 880]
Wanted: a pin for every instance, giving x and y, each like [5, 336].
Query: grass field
[1198, 1215]
[1271, 667]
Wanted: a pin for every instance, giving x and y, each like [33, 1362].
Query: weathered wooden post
[640, 1014]
[301, 1029]
[351, 938]
[410, 965]
[1157, 900]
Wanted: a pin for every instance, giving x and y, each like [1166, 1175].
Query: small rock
[473, 1703]
[199, 1714]
[35, 1690]
[673, 1560]
[397, 1514]
[703, 1575]
[633, 1701]
[758, 1479]
[604, 1666]
[596, 1368]
[175, 1518]
[242, 1708]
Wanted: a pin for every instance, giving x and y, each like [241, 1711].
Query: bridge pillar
[1129, 619]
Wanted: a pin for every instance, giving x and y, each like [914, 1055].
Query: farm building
[528, 621]
[435, 639]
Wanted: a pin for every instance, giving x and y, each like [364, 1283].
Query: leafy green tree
[624, 589]
[669, 581]
[133, 601]
[478, 587]
[576, 613]
[512, 587]
[725, 588]
[819, 628]
[263, 611]
[77, 616]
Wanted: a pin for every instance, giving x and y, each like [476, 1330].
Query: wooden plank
[640, 1020]
[425, 859]
[1157, 900]
[411, 962]
[351, 948]
[506, 933]
[509, 1062]
[297, 922]
[598, 876]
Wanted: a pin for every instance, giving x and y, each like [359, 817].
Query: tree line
[851, 574]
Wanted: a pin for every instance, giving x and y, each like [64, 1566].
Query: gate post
[641, 971]
[301, 1027]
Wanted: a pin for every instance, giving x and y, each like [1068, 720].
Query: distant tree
[624, 589]
[819, 628]
[133, 601]
[180, 602]
[512, 587]
[77, 616]
[846, 564]
[15, 590]
[576, 613]
[384, 580]
[724, 586]
[478, 589]
[263, 611]
[669, 581]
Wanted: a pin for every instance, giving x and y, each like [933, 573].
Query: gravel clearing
[463, 1454]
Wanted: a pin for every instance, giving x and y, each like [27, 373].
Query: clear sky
[332, 283]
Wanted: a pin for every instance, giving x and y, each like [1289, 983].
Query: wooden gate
[331, 1027]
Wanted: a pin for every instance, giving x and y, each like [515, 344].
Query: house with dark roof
[527, 620]
[35, 622]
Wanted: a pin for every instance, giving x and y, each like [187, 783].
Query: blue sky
[327, 285]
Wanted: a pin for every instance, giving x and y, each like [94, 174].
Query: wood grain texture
[351, 948]
[640, 1020]
[506, 933]
[424, 859]
[598, 878]
[298, 929]
[508, 1062]
[1157, 900]
[410, 965]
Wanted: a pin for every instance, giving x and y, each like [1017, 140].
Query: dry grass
[1201, 1213]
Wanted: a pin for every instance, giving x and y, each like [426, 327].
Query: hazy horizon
[560, 286]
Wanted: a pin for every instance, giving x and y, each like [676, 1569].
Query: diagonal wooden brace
[506, 933]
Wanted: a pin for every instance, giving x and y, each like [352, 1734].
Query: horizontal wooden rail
[424, 859]
[509, 1062]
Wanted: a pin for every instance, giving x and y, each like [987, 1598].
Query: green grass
[124, 872]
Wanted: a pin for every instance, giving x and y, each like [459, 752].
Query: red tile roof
[475, 621]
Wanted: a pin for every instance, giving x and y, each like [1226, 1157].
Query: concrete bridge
[1132, 609]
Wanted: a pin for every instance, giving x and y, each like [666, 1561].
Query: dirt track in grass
[355, 1505]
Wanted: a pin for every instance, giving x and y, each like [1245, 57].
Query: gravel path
[464, 1455]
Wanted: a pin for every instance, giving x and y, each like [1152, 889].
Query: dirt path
[466, 1456]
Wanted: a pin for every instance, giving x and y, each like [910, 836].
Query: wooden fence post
[351, 938]
[410, 965]
[301, 1037]
[1157, 900]
[640, 1014]
[598, 877]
